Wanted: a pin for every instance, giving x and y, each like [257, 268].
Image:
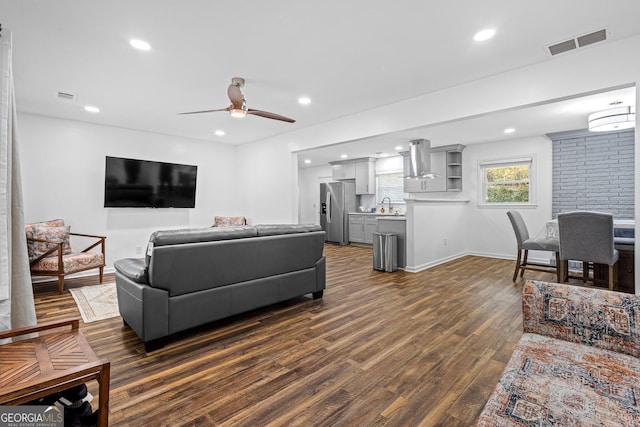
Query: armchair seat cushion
[75, 261]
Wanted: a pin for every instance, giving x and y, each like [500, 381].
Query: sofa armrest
[134, 269]
[590, 316]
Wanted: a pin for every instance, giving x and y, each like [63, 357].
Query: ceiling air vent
[562, 47]
[576, 42]
[596, 37]
[66, 96]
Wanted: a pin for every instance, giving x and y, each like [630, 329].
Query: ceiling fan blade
[207, 111]
[269, 115]
[235, 95]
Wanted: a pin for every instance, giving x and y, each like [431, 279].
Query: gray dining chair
[526, 244]
[588, 237]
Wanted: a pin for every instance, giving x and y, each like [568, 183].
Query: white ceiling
[530, 121]
[347, 56]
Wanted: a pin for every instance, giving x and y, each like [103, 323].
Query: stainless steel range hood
[420, 159]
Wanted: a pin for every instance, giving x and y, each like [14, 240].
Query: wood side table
[37, 367]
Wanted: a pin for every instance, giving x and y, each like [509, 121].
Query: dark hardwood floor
[397, 349]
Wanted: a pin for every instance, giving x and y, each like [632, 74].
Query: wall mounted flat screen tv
[132, 183]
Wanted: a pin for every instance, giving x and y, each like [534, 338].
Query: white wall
[436, 231]
[63, 177]
[442, 226]
[489, 232]
[267, 182]
[309, 180]
[596, 68]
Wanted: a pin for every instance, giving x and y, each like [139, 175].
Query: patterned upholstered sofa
[577, 363]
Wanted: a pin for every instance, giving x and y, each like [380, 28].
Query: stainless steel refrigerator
[337, 199]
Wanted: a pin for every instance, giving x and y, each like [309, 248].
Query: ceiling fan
[238, 107]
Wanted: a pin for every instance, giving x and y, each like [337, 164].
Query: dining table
[624, 240]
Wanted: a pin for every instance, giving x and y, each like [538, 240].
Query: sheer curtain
[17, 307]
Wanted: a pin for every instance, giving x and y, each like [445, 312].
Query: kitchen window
[506, 182]
[390, 184]
[390, 179]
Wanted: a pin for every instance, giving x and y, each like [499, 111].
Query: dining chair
[588, 237]
[526, 244]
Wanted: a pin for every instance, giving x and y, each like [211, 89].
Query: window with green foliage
[506, 182]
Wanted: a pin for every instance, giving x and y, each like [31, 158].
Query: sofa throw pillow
[229, 221]
[30, 230]
[53, 235]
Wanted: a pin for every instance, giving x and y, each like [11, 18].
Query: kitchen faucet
[382, 202]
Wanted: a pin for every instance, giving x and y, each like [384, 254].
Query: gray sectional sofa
[196, 276]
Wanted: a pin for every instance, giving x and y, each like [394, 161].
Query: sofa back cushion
[595, 317]
[192, 267]
[195, 235]
[275, 229]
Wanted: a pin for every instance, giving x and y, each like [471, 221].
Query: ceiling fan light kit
[238, 113]
[238, 107]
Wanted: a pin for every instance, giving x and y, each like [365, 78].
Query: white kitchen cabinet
[361, 228]
[446, 162]
[370, 227]
[343, 170]
[363, 171]
[366, 176]
[356, 228]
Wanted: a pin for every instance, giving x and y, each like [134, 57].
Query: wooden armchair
[50, 251]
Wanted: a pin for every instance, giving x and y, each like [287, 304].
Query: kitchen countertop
[375, 214]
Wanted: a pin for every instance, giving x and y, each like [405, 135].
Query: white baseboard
[430, 264]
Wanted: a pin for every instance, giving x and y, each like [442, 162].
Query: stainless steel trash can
[385, 251]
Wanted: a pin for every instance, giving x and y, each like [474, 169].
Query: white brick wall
[594, 171]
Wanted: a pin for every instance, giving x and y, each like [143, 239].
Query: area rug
[96, 302]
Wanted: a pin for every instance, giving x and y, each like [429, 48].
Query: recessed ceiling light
[398, 147]
[307, 161]
[484, 35]
[140, 44]
[509, 130]
[384, 155]
[219, 132]
[304, 100]
[344, 156]
[91, 109]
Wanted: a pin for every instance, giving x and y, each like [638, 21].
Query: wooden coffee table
[37, 367]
